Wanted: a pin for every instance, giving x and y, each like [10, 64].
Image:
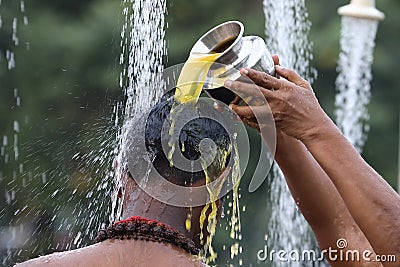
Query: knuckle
[305, 84]
[275, 84]
[288, 88]
[264, 78]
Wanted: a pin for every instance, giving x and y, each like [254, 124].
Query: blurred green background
[57, 128]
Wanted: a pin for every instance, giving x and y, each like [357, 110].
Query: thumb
[275, 58]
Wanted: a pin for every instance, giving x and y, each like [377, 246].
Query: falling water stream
[142, 61]
[357, 44]
[287, 29]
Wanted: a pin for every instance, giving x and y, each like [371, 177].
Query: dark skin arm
[319, 201]
[373, 204]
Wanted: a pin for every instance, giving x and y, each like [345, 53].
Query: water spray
[287, 29]
[359, 27]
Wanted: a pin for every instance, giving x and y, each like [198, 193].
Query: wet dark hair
[190, 136]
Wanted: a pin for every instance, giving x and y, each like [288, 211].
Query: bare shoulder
[87, 256]
[118, 253]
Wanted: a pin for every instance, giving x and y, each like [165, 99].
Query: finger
[246, 91]
[242, 111]
[234, 116]
[251, 94]
[250, 111]
[292, 76]
[270, 95]
[276, 62]
[251, 123]
[265, 80]
[276, 59]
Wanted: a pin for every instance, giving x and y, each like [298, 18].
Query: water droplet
[44, 178]
[76, 240]
[5, 140]
[89, 194]
[7, 197]
[22, 5]
[16, 126]
[55, 193]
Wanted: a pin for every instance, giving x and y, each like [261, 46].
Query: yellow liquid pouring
[214, 191]
[212, 172]
[192, 77]
[188, 89]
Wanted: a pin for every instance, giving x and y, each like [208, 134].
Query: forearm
[315, 194]
[374, 205]
[318, 199]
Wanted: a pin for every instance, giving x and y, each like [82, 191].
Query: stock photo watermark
[340, 253]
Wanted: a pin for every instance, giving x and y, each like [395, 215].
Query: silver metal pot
[240, 52]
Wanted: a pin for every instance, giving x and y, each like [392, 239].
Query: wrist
[324, 130]
[285, 145]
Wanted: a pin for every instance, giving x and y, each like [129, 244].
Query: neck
[149, 208]
[138, 203]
